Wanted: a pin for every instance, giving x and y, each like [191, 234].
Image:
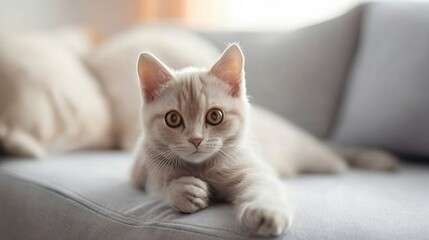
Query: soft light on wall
[244, 14]
[110, 16]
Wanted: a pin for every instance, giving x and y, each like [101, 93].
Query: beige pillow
[49, 101]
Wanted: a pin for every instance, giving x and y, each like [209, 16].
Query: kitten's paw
[265, 220]
[188, 194]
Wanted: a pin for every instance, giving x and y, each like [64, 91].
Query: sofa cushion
[387, 101]
[88, 196]
[298, 74]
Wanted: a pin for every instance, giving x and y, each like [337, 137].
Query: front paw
[265, 220]
[188, 194]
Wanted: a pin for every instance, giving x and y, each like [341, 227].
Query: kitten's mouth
[196, 152]
[197, 156]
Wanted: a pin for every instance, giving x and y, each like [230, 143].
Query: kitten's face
[193, 114]
[195, 117]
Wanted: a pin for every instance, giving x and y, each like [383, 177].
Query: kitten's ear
[229, 68]
[153, 74]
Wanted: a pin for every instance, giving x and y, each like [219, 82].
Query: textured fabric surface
[88, 196]
[298, 74]
[387, 100]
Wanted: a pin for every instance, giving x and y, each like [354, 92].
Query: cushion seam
[106, 212]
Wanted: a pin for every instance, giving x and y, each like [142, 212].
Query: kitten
[198, 127]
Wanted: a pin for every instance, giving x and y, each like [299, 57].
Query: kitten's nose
[195, 141]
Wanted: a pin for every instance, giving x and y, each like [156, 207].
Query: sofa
[359, 79]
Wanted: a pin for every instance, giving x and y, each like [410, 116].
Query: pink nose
[195, 141]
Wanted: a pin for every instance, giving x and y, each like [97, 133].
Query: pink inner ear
[231, 75]
[233, 80]
[149, 93]
[152, 83]
[153, 74]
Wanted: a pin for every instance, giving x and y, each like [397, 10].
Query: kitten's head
[194, 114]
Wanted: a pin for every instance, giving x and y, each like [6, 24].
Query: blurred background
[110, 16]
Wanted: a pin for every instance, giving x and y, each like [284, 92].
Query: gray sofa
[361, 79]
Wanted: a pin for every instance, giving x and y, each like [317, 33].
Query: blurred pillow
[49, 102]
[114, 63]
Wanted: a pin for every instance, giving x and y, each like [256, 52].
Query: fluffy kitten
[198, 125]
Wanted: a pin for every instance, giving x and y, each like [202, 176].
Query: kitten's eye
[214, 116]
[173, 119]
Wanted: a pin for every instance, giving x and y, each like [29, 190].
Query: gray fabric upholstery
[88, 196]
[300, 74]
[387, 101]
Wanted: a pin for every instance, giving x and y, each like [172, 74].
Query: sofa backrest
[301, 74]
[360, 79]
[387, 97]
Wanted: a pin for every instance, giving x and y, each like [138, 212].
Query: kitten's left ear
[229, 68]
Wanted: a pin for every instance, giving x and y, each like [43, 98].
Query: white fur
[229, 168]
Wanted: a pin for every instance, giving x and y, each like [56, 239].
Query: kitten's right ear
[229, 68]
[153, 74]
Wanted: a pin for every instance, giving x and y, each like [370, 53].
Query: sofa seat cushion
[88, 196]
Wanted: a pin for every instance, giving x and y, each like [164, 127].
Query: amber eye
[173, 119]
[214, 116]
